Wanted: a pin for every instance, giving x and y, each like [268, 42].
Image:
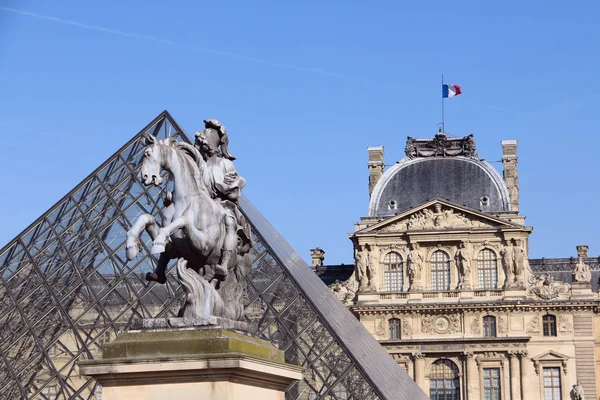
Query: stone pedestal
[191, 364]
[581, 289]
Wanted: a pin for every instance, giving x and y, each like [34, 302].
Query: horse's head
[151, 161]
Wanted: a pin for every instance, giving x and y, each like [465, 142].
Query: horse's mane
[196, 163]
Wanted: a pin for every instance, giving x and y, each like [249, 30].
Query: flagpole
[443, 127]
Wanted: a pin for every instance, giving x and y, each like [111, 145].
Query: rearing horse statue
[194, 231]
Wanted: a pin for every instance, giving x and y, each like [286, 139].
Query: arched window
[392, 272]
[443, 381]
[489, 326]
[394, 328]
[440, 271]
[487, 269]
[549, 325]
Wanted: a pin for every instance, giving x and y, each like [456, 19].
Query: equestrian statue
[202, 226]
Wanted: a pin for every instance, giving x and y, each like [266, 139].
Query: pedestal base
[191, 364]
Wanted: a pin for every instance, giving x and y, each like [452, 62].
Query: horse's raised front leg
[145, 221]
[199, 239]
[159, 273]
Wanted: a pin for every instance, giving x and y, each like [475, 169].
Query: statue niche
[202, 227]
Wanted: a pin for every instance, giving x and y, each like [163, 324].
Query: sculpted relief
[436, 217]
[546, 287]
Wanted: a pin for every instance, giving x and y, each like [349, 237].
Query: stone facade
[450, 292]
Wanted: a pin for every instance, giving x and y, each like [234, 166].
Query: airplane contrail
[187, 46]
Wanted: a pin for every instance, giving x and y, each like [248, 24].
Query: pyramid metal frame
[66, 288]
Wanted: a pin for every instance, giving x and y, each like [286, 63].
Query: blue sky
[304, 88]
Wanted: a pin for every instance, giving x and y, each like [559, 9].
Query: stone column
[524, 372]
[472, 373]
[375, 166]
[419, 363]
[515, 376]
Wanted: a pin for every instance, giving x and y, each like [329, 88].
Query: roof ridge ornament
[441, 146]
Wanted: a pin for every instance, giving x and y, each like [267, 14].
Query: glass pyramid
[66, 288]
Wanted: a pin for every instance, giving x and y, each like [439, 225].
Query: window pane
[440, 271]
[487, 269]
[444, 381]
[393, 273]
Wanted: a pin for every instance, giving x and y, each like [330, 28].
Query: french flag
[450, 90]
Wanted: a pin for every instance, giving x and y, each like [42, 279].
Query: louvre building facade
[66, 288]
[442, 279]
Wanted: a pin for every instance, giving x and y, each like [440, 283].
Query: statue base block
[191, 364]
[198, 323]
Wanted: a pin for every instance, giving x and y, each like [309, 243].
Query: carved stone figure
[360, 258]
[507, 254]
[520, 261]
[198, 226]
[463, 262]
[581, 272]
[415, 267]
[371, 269]
[577, 392]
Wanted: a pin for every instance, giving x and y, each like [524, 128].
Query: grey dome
[461, 180]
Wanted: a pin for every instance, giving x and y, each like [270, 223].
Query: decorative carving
[440, 146]
[344, 290]
[202, 225]
[380, 326]
[502, 325]
[415, 267]
[454, 323]
[476, 325]
[564, 325]
[581, 272]
[427, 324]
[534, 324]
[407, 329]
[463, 258]
[546, 287]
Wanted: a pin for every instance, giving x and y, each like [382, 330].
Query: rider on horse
[226, 188]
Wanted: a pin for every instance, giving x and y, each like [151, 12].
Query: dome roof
[456, 174]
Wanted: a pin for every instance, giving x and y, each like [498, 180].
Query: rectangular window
[552, 389]
[393, 281]
[491, 384]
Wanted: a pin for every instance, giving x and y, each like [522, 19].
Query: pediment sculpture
[436, 217]
[202, 227]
